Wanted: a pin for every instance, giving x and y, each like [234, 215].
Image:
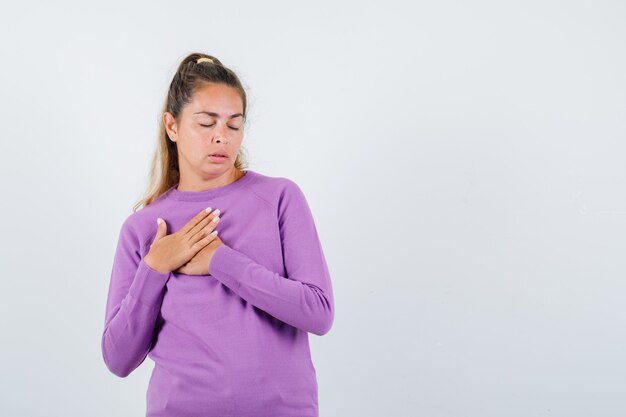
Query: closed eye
[233, 128]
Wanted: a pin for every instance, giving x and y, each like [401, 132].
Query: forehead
[218, 99]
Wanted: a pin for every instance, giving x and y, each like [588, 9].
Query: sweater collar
[175, 194]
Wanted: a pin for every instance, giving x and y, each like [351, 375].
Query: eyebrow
[232, 116]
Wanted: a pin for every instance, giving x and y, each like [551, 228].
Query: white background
[464, 162]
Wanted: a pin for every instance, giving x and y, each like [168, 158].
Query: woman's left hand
[199, 264]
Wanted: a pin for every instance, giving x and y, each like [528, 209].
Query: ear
[169, 122]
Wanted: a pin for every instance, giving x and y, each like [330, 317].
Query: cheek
[195, 134]
[192, 147]
[236, 138]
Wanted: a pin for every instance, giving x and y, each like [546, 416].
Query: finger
[161, 229]
[205, 232]
[204, 227]
[200, 225]
[205, 241]
[195, 220]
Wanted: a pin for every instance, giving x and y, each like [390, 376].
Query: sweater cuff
[148, 285]
[227, 266]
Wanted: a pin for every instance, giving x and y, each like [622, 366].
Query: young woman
[225, 317]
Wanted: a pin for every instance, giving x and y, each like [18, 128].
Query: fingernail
[208, 209]
[159, 220]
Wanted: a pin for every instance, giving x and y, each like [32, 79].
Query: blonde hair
[194, 71]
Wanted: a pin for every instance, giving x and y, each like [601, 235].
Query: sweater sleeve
[134, 300]
[304, 298]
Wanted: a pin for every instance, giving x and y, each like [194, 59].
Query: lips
[218, 154]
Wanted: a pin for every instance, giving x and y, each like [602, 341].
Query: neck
[208, 183]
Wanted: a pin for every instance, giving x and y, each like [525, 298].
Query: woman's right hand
[169, 252]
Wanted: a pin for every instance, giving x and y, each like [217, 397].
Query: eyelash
[233, 128]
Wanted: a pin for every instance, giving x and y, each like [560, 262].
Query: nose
[219, 135]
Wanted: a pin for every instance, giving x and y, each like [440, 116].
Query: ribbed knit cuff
[228, 266]
[148, 285]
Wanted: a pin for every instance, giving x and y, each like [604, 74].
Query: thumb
[161, 229]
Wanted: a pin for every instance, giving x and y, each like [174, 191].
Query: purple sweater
[233, 342]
